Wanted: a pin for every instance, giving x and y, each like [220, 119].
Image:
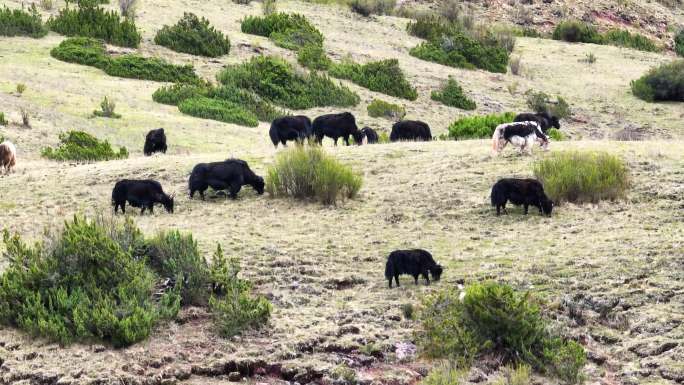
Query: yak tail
[497, 197]
[389, 268]
[496, 137]
[273, 133]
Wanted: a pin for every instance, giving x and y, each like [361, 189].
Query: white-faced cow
[370, 134]
[519, 134]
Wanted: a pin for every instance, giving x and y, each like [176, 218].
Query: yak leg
[142, 211]
[498, 210]
[150, 208]
[336, 140]
[415, 278]
[346, 139]
[234, 190]
[396, 279]
[526, 206]
[390, 282]
[425, 275]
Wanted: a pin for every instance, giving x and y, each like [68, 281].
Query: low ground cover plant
[290, 31]
[576, 31]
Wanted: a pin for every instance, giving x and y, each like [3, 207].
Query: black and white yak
[413, 262]
[519, 134]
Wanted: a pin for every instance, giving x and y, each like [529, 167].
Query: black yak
[544, 119]
[229, 175]
[336, 126]
[155, 141]
[526, 192]
[286, 128]
[410, 130]
[414, 262]
[520, 134]
[370, 134]
[140, 193]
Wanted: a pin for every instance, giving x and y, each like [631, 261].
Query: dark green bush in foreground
[478, 126]
[91, 52]
[276, 81]
[194, 36]
[381, 109]
[664, 83]
[89, 20]
[309, 173]
[216, 109]
[18, 22]
[452, 95]
[494, 319]
[290, 31]
[383, 76]
[100, 280]
[582, 177]
[82, 147]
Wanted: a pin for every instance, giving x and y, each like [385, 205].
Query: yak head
[546, 206]
[258, 185]
[436, 272]
[358, 137]
[555, 122]
[167, 201]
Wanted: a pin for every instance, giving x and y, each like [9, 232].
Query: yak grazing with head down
[8, 156]
[544, 119]
[286, 128]
[155, 141]
[140, 193]
[520, 134]
[229, 175]
[337, 126]
[410, 130]
[414, 262]
[526, 192]
[370, 134]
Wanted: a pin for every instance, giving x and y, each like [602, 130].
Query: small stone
[99, 348]
[234, 377]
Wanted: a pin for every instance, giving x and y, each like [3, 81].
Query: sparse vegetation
[127, 8]
[82, 147]
[383, 76]
[107, 109]
[216, 109]
[18, 22]
[290, 31]
[493, 318]
[555, 134]
[446, 373]
[515, 375]
[194, 36]
[540, 102]
[310, 173]
[515, 64]
[313, 56]
[46, 5]
[91, 52]
[478, 126]
[3, 120]
[624, 38]
[276, 81]
[90, 20]
[268, 7]
[451, 94]
[382, 109]
[25, 118]
[664, 83]
[21, 87]
[372, 7]
[679, 43]
[583, 177]
[590, 58]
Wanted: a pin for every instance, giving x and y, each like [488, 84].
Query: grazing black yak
[229, 175]
[370, 134]
[410, 130]
[526, 192]
[336, 126]
[286, 128]
[544, 119]
[140, 193]
[412, 262]
[521, 134]
[155, 141]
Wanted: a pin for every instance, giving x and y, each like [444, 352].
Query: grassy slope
[430, 195]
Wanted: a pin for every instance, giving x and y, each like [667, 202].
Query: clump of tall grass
[582, 177]
[310, 173]
[106, 110]
[381, 109]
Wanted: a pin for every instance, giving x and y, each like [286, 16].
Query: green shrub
[276, 81]
[555, 134]
[459, 50]
[82, 147]
[516, 375]
[382, 109]
[576, 31]
[478, 126]
[430, 27]
[310, 173]
[194, 36]
[313, 56]
[452, 95]
[664, 83]
[372, 7]
[234, 308]
[493, 318]
[176, 93]
[107, 109]
[623, 38]
[679, 43]
[381, 76]
[91, 52]
[540, 102]
[18, 22]
[216, 109]
[290, 31]
[89, 20]
[80, 284]
[582, 176]
[262, 109]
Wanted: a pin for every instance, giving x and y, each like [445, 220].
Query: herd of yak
[230, 175]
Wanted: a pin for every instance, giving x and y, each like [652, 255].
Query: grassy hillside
[322, 267]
